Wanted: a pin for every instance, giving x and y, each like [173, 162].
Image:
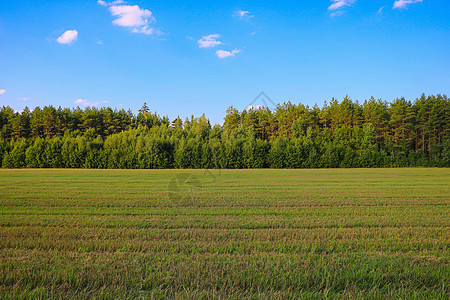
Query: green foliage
[16, 157]
[340, 134]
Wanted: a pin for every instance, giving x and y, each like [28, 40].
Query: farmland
[346, 233]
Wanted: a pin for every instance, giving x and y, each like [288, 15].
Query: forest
[346, 133]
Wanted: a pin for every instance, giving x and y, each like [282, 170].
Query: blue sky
[194, 57]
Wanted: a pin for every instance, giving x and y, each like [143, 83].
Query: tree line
[375, 133]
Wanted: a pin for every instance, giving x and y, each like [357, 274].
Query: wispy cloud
[337, 4]
[147, 30]
[104, 3]
[380, 11]
[403, 3]
[337, 13]
[85, 102]
[2, 92]
[137, 19]
[68, 37]
[209, 41]
[223, 53]
[337, 7]
[23, 98]
[242, 14]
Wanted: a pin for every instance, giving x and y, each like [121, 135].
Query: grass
[338, 233]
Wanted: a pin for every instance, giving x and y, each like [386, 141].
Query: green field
[346, 233]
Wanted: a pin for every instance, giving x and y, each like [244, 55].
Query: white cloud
[68, 37]
[131, 16]
[337, 4]
[209, 41]
[223, 53]
[104, 3]
[2, 92]
[337, 13]
[242, 14]
[404, 3]
[80, 101]
[85, 102]
[147, 30]
[380, 11]
[23, 98]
